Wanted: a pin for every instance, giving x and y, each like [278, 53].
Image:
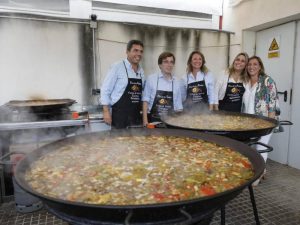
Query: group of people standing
[125, 93]
[247, 88]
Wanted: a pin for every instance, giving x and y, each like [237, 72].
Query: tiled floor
[277, 198]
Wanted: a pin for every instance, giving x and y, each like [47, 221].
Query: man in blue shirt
[122, 89]
[162, 91]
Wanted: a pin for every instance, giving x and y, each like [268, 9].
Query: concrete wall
[112, 39]
[44, 59]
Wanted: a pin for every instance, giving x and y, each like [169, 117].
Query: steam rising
[27, 139]
[110, 168]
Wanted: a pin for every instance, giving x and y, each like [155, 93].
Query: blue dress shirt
[116, 81]
[209, 83]
[164, 85]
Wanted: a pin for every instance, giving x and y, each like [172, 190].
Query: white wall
[112, 39]
[51, 59]
[167, 13]
[252, 15]
[43, 59]
[294, 154]
[205, 6]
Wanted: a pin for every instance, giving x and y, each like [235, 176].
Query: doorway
[276, 47]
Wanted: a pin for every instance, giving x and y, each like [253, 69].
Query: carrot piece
[246, 164]
[207, 190]
[159, 196]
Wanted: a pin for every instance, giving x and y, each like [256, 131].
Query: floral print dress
[266, 98]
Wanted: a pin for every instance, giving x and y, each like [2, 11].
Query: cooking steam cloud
[25, 140]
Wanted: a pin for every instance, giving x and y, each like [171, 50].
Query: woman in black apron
[233, 98]
[196, 92]
[162, 91]
[198, 84]
[230, 88]
[126, 111]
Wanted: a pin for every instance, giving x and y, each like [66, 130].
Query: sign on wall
[274, 48]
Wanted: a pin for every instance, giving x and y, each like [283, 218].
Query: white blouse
[249, 98]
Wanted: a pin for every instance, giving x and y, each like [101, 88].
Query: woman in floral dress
[260, 97]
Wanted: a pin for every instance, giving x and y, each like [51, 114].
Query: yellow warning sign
[274, 45]
[273, 54]
[273, 51]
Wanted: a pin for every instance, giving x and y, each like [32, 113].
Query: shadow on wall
[180, 41]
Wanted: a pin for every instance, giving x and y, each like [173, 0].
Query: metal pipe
[44, 19]
[228, 50]
[94, 60]
[47, 124]
[93, 26]
[41, 124]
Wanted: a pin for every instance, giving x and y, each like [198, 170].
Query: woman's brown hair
[189, 68]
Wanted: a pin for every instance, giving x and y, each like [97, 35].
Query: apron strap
[125, 69]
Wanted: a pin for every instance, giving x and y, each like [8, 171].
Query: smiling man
[121, 91]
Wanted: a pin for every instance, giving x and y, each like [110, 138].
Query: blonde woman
[229, 88]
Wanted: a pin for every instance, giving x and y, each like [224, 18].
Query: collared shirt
[116, 81]
[209, 83]
[221, 85]
[164, 85]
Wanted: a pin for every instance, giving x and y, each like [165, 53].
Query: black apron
[233, 98]
[196, 92]
[126, 111]
[162, 104]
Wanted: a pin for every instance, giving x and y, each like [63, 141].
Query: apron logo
[195, 90]
[163, 102]
[135, 88]
[234, 90]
